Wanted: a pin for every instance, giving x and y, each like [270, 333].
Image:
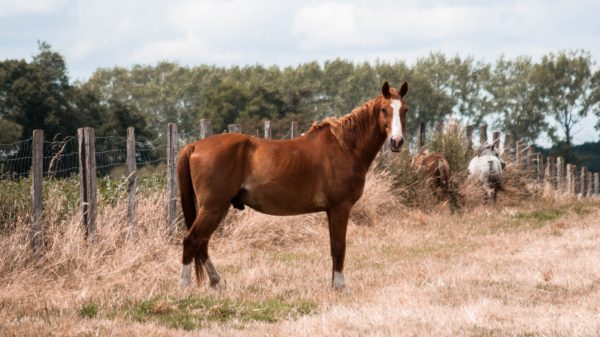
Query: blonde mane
[356, 122]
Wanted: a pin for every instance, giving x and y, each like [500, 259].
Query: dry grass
[527, 266]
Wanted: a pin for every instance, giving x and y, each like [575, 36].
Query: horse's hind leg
[195, 245]
[202, 253]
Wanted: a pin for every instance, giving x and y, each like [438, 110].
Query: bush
[413, 189]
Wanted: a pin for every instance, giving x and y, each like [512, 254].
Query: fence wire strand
[61, 157]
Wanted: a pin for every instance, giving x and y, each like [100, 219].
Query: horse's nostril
[396, 143]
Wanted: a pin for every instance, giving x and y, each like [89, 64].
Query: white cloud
[10, 8]
[221, 32]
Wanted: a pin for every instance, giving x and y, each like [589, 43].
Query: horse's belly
[275, 202]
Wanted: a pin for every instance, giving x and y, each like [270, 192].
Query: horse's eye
[383, 110]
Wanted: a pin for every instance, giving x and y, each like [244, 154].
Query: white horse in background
[487, 168]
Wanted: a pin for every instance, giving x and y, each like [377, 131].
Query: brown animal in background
[435, 168]
[323, 170]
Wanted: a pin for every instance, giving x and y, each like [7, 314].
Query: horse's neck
[364, 144]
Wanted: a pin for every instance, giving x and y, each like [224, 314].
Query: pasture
[525, 266]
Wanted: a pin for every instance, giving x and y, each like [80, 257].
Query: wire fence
[61, 157]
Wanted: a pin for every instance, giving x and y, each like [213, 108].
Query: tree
[38, 95]
[596, 95]
[428, 98]
[567, 90]
[516, 99]
[10, 132]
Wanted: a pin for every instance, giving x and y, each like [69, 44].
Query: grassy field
[527, 268]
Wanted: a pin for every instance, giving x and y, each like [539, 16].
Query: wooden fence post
[294, 130]
[588, 189]
[37, 179]
[131, 182]
[421, 135]
[596, 182]
[171, 171]
[539, 174]
[548, 185]
[205, 128]
[583, 182]
[496, 139]
[87, 180]
[469, 133]
[530, 156]
[268, 129]
[506, 147]
[518, 152]
[571, 178]
[439, 128]
[234, 128]
[560, 174]
[483, 138]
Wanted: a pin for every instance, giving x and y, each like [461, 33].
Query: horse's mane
[355, 123]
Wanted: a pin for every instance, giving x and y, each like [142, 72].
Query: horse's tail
[188, 200]
[444, 173]
[186, 188]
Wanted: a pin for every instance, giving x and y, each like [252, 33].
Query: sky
[107, 33]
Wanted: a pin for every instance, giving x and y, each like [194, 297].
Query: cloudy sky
[92, 34]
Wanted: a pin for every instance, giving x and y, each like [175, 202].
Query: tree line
[524, 97]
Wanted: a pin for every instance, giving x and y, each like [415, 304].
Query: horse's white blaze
[396, 122]
[186, 275]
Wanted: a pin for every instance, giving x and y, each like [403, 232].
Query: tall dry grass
[522, 266]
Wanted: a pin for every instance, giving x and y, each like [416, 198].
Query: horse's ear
[403, 89]
[385, 90]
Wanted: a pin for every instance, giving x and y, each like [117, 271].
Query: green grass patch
[194, 312]
[543, 215]
[525, 220]
[581, 209]
[89, 310]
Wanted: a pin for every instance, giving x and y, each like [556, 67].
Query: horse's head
[487, 149]
[392, 114]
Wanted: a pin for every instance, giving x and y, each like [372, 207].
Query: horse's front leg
[338, 223]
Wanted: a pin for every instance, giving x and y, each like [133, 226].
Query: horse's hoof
[184, 283]
[342, 289]
[216, 285]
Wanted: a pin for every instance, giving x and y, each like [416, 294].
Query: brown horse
[323, 170]
[435, 168]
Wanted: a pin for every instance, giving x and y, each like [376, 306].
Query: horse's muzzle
[396, 144]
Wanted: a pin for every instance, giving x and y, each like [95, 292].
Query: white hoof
[338, 281]
[186, 275]
[213, 275]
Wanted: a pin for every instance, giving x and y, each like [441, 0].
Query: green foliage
[89, 310]
[568, 89]
[194, 312]
[10, 131]
[453, 144]
[543, 215]
[587, 154]
[62, 195]
[15, 200]
[518, 93]
[517, 101]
